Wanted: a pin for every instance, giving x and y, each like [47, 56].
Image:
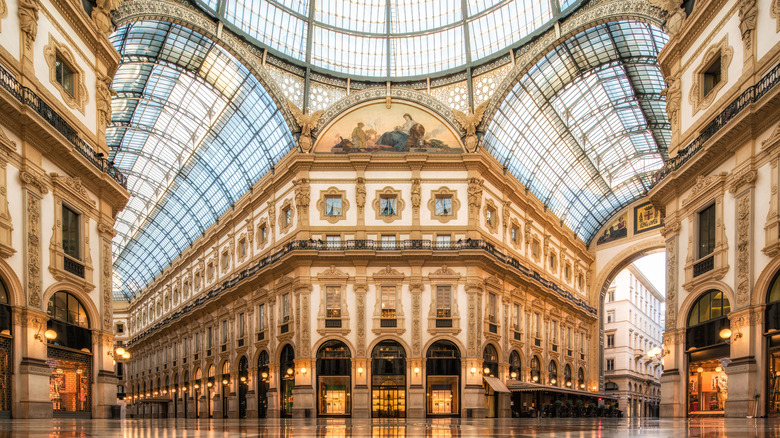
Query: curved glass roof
[193, 130]
[387, 38]
[585, 128]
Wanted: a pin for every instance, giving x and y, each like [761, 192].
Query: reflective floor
[440, 428]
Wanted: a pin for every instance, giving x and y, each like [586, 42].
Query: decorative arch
[256, 357]
[95, 322]
[316, 347]
[764, 281]
[696, 293]
[13, 284]
[399, 340]
[454, 340]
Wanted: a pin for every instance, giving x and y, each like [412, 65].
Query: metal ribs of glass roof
[387, 38]
[586, 125]
[193, 129]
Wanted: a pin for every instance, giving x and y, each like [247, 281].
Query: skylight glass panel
[349, 54]
[272, 26]
[422, 15]
[475, 7]
[501, 27]
[298, 6]
[428, 53]
[367, 16]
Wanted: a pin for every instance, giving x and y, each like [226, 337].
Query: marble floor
[438, 428]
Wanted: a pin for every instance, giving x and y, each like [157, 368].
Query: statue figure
[103, 99]
[416, 193]
[28, 18]
[469, 123]
[307, 123]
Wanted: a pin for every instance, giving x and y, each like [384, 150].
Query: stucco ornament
[307, 123]
[475, 196]
[469, 123]
[103, 99]
[28, 19]
[101, 15]
[748, 15]
[673, 98]
[675, 15]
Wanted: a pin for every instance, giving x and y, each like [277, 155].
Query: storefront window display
[6, 349]
[443, 379]
[333, 379]
[772, 330]
[287, 380]
[69, 384]
[388, 380]
[707, 386]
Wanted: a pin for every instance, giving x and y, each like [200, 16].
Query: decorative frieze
[671, 279]
[744, 258]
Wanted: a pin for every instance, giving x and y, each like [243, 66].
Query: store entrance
[334, 385]
[389, 401]
[388, 380]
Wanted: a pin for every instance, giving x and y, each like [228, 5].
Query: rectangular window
[64, 74]
[568, 338]
[285, 307]
[610, 316]
[443, 205]
[711, 76]
[242, 248]
[388, 301]
[513, 234]
[610, 341]
[443, 301]
[261, 318]
[490, 217]
[333, 301]
[516, 317]
[582, 343]
[610, 364]
[333, 205]
[209, 338]
[707, 231]
[443, 240]
[225, 260]
[241, 327]
[538, 325]
[611, 296]
[387, 205]
[263, 233]
[70, 233]
[224, 332]
[554, 332]
[388, 242]
[492, 307]
[287, 216]
[333, 241]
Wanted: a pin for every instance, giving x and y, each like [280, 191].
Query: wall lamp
[473, 370]
[303, 370]
[658, 352]
[119, 353]
[416, 370]
[360, 370]
[48, 335]
[729, 336]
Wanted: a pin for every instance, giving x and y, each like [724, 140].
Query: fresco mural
[618, 229]
[401, 128]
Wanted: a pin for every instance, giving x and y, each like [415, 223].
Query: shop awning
[518, 386]
[497, 385]
[156, 400]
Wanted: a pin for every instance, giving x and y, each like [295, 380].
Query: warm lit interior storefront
[443, 379]
[334, 386]
[388, 380]
[287, 380]
[708, 354]
[6, 353]
[772, 335]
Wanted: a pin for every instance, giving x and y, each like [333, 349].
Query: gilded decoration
[373, 127]
[697, 98]
[388, 205]
[491, 215]
[286, 216]
[440, 212]
[302, 197]
[79, 98]
[475, 197]
[328, 210]
[673, 94]
[307, 123]
[469, 122]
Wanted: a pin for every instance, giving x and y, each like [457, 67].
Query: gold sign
[647, 217]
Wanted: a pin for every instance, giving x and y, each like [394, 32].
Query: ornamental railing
[372, 245]
[32, 100]
[748, 97]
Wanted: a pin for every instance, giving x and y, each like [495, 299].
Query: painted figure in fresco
[359, 137]
[398, 138]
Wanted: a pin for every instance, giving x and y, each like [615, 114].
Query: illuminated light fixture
[5, 332]
[185, 389]
[165, 391]
[290, 371]
[568, 383]
[197, 386]
[209, 384]
[595, 388]
[264, 375]
[718, 369]
[85, 350]
[148, 394]
[173, 391]
[360, 370]
[126, 355]
[303, 370]
[553, 381]
[120, 351]
[225, 382]
[700, 370]
[725, 333]
[154, 393]
[79, 371]
[486, 371]
[513, 375]
[473, 370]
[48, 334]
[243, 379]
[582, 386]
[416, 370]
[535, 378]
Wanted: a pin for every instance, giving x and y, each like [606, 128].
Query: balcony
[73, 266]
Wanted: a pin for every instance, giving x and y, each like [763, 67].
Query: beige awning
[518, 386]
[497, 385]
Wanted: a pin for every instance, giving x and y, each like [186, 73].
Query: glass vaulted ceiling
[585, 128]
[387, 38]
[193, 130]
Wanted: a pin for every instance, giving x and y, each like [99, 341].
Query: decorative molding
[673, 94]
[399, 208]
[28, 20]
[774, 11]
[388, 272]
[33, 249]
[80, 96]
[491, 215]
[416, 195]
[773, 139]
[468, 123]
[444, 192]
[671, 279]
[333, 192]
[696, 96]
[744, 248]
[748, 16]
[103, 95]
[703, 185]
[360, 194]
[3, 13]
[302, 199]
[332, 273]
[746, 178]
[76, 191]
[444, 272]
[107, 285]
[284, 223]
[35, 181]
[475, 197]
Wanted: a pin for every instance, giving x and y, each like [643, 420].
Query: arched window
[567, 375]
[515, 366]
[263, 384]
[536, 369]
[581, 379]
[287, 382]
[66, 308]
[772, 320]
[552, 373]
[490, 361]
[5, 310]
[442, 368]
[708, 316]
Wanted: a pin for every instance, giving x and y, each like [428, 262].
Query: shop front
[708, 354]
[388, 380]
[772, 334]
[263, 374]
[243, 386]
[334, 383]
[443, 380]
[69, 357]
[286, 381]
[6, 352]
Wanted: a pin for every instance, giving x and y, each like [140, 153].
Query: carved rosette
[743, 249]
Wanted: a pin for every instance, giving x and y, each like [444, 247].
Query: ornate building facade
[59, 196]
[720, 196]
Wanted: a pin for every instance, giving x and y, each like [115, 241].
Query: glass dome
[387, 38]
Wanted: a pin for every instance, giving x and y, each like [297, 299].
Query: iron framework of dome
[589, 114]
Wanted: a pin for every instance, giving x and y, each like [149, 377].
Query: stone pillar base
[304, 402]
[743, 388]
[32, 409]
[251, 413]
[361, 402]
[473, 405]
[415, 402]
